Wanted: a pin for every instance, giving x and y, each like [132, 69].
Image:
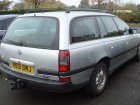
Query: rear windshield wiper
[21, 43]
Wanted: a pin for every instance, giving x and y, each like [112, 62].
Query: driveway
[123, 89]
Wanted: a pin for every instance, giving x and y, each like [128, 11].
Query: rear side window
[5, 23]
[39, 32]
[122, 26]
[110, 26]
[84, 29]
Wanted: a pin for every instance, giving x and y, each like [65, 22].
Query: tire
[137, 57]
[98, 80]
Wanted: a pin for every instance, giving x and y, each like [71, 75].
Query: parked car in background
[137, 29]
[68, 50]
[5, 21]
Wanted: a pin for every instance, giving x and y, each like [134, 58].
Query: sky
[76, 2]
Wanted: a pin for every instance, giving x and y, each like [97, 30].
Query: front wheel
[98, 80]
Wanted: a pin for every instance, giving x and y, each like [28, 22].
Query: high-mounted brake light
[64, 61]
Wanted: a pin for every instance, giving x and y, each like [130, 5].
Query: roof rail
[67, 11]
[86, 9]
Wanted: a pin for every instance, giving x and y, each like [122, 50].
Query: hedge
[28, 11]
[133, 17]
[12, 12]
[128, 17]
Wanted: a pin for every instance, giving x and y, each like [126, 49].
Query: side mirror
[130, 31]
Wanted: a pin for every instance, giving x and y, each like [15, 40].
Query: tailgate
[44, 59]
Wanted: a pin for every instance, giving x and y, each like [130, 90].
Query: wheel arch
[106, 60]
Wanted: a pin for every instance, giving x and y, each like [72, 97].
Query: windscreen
[38, 32]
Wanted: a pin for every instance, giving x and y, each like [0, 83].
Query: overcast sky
[76, 2]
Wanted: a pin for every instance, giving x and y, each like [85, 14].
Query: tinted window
[1, 25]
[110, 26]
[5, 23]
[33, 32]
[101, 27]
[122, 26]
[84, 29]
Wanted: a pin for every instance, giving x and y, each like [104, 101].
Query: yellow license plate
[23, 68]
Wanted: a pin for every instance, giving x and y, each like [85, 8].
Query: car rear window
[38, 32]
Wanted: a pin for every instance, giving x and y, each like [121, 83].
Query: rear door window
[84, 29]
[110, 26]
[40, 32]
[122, 26]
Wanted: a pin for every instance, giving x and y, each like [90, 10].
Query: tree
[18, 6]
[84, 4]
[52, 4]
[34, 3]
[130, 6]
[104, 2]
[111, 7]
[98, 2]
[43, 4]
[4, 5]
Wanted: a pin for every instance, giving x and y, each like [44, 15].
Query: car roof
[3, 17]
[61, 14]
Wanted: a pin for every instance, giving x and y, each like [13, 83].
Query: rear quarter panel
[86, 53]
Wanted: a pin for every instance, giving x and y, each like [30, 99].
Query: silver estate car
[65, 51]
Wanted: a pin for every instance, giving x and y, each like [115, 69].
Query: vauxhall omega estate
[67, 50]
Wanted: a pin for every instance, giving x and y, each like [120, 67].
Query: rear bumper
[63, 88]
[41, 84]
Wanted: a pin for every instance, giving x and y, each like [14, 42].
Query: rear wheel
[98, 80]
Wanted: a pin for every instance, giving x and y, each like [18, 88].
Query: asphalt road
[123, 89]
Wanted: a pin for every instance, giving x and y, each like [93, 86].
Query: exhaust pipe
[17, 85]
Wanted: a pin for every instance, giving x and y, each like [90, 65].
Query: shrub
[26, 10]
[130, 17]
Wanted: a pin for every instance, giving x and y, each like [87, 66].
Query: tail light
[64, 61]
[64, 64]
